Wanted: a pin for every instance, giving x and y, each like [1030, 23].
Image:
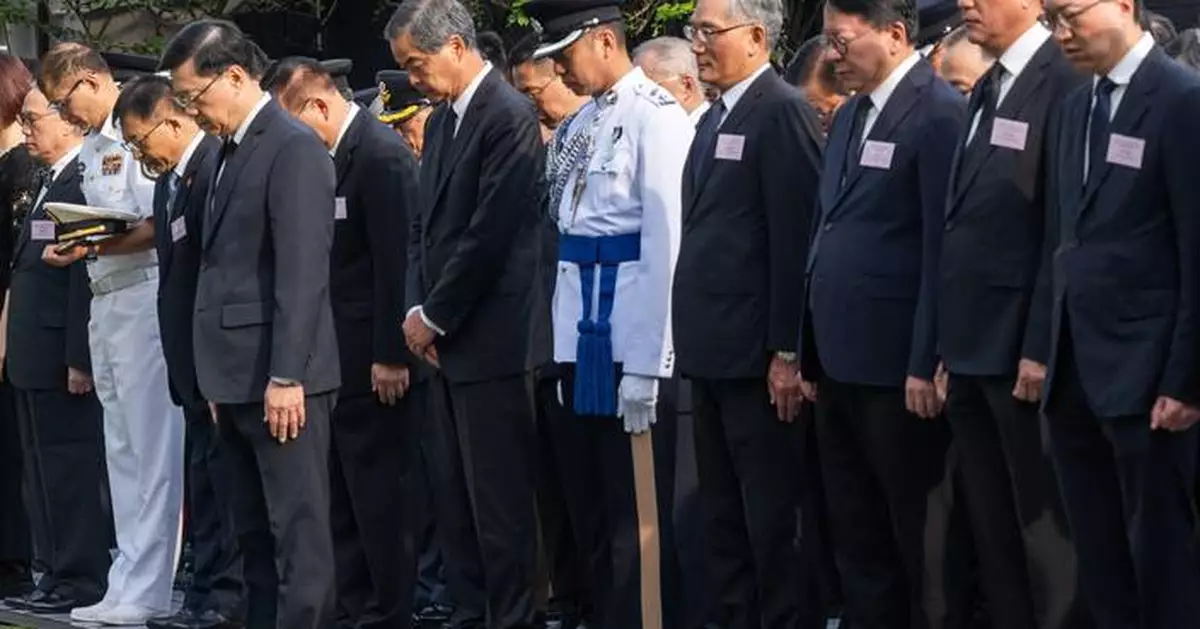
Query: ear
[758, 34]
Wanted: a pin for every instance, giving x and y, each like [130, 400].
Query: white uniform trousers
[143, 443]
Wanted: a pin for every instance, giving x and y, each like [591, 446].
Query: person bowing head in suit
[1120, 396]
[374, 434]
[868, 354]
[748, 197]
[263, 331]
[477, 308]
[992, 334]
[169, 144]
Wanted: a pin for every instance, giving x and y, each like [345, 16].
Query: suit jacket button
[828, 227]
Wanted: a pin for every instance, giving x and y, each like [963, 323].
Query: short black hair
[213, 46]
[292, 76]
[141, 96]
[881, 13]
[809, 64]
[1185, 48]
[491, 46]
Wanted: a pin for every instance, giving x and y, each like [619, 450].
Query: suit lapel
[345, 150]
[467, 128]
[224, 185]
[1132, 107]
[835, 155]
[732, 124]
[68, 175]
[1015, 101]
[899, 105]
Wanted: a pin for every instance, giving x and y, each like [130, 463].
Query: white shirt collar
[345, 127]
[463, 101]
[1021, 52]
[698, 112]
[245, 128]
[1122, 73]
[880, 95]
[111, 130]
[735, 93]
[635, 75]
[62, 162]
[181, 167]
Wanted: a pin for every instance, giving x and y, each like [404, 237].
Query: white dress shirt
[244, 128]
[55, 171]
[345, 127]
[1013, 62]
[188, 152]
[463, 101]
[1120, 75]
[735, 93]
[880, 95]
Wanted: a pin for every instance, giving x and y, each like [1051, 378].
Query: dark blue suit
[1126, 330]
[870, 323]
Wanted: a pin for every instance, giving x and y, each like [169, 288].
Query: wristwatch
[285, 382]
[787, 357]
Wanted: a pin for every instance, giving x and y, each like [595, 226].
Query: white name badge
[42, 230]
[876, 154]
[178, 229]
[729, 146]
[1009, 134]
[1125, 151]
[339, 208]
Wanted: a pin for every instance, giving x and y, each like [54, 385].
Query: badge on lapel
[112, 164]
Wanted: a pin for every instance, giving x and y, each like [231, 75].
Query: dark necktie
[985, 105]
[172, 191]
[1098, 127]
[854, 149]
[706, 139]
[447, 141]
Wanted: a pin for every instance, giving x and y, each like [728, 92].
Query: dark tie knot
[1105, 87]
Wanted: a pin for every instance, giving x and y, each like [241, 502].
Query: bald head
[963, 62]
[669, 61]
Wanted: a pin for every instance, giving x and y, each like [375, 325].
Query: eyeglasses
[1065, 19]
[840, 43]
[185, 101]
[60, 106]
[137, 145]
[27, 118]
[534, 92]
[704, 34]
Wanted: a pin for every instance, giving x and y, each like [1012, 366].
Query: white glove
[636, 401]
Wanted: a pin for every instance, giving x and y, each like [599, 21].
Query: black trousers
[15, 544]
[281, 513]
[63, 439]
[485, 461]
[561, 441]
[374, 447]
[1128, 495]
[750, 482]
[621, 503]
[431, 570]
[217, 574]
[890, 500]
[1026, 559]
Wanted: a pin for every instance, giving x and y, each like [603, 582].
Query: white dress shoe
[91, 613]
[127, 615]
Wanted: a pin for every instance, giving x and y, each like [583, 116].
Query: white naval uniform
[143, 430]
[633, 184]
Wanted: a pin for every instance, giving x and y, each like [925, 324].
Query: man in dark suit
[374, 427]
[1121, 396]
[167, 141]
[993, 346]
[477, 304]
[747, 184]
[869, 330]
[49, 365]
[266, 350]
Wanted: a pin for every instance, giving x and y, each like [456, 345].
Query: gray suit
[263, 311]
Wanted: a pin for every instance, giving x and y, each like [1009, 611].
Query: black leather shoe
[54, 603]
[188, 619]
[434, 614]
[22, 602]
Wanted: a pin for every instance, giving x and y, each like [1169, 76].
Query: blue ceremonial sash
[595, 389]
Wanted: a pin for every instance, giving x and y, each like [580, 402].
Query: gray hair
[431, 23]
[769, 13]
[671, 55]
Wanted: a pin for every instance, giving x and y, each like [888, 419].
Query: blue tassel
[585, 403]
[602, 364]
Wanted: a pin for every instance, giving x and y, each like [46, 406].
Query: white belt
[123, 279]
